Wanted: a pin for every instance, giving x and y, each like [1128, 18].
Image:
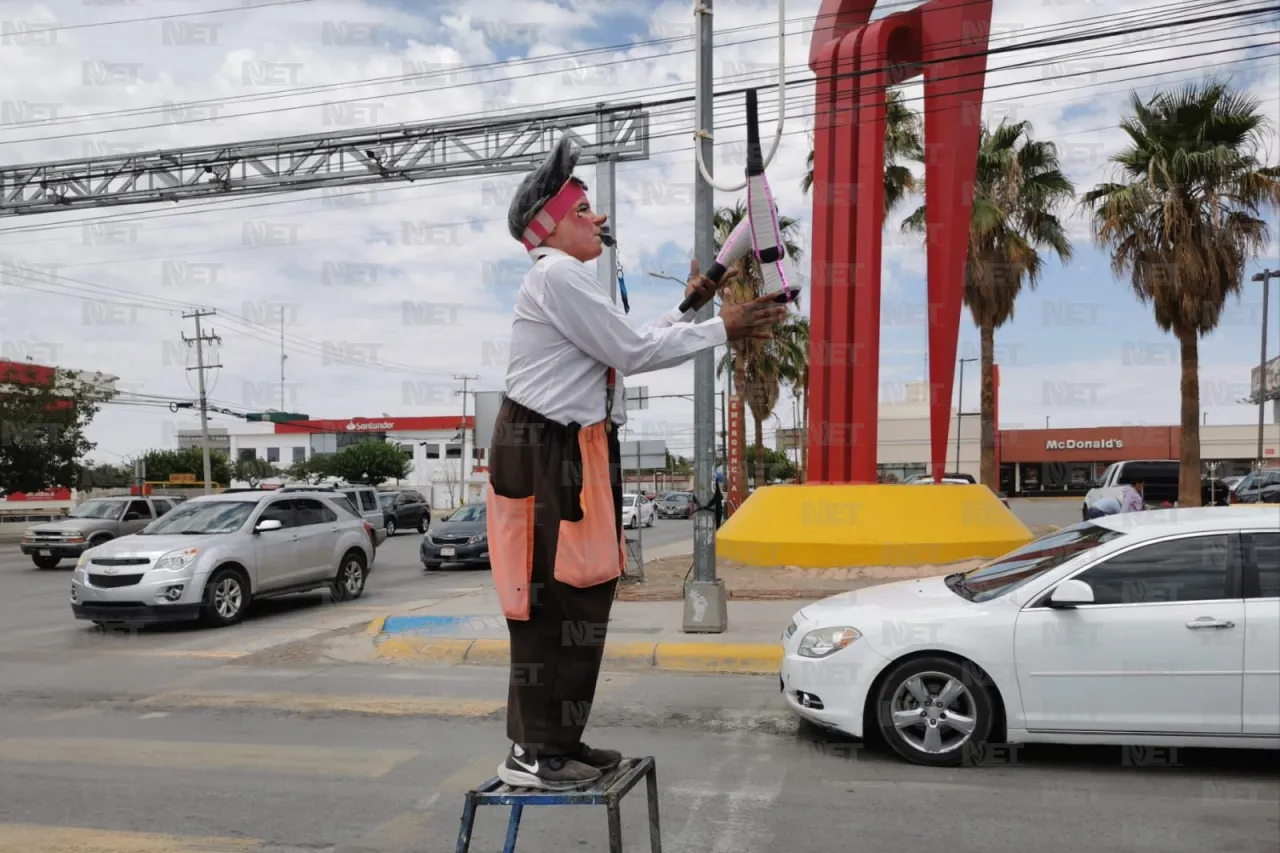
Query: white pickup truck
[1158, 476]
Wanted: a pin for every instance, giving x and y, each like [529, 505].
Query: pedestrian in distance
[1131, 497]
[556, 545]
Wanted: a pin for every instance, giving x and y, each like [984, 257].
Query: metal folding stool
[608, 791]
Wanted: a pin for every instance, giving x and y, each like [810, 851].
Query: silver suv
[92, 523]
[213, 555]
[364, 500]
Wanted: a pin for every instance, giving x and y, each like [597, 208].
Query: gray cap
[541, 185]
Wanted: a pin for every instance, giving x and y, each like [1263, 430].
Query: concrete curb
[697, 657]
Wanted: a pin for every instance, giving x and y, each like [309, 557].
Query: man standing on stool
[555, 490]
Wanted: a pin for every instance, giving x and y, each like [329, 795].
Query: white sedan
[637, 510]
[1158, 628]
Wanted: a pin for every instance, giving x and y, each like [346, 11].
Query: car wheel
[349, 583]
[935, 711]
[391, 527]
[422, 524]
[50, 562]
[226, 596]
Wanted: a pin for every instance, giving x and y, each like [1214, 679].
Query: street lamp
[1265, 277]
[960, 411]
[715, 302]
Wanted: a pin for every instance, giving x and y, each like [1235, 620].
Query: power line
[243, 7]
[452, 70]
[198, 208]
[990, 51]
[223, 202]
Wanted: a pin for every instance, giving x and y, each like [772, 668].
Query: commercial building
[435, 445]
[1057, 461]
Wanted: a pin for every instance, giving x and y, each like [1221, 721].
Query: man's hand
[754, 319]
[705, 287]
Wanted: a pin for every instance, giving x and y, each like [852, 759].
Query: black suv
[404, 510]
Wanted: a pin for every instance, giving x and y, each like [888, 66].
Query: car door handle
[1209, 623]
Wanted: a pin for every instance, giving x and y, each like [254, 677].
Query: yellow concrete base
[825, 526]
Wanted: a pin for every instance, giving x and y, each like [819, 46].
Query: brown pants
[557, 550]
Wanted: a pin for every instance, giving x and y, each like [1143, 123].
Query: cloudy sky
[389, 291]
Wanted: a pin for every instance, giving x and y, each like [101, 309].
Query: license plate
[448, 552]
[46, 553]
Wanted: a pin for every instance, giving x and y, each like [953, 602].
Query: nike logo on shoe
[532, 768]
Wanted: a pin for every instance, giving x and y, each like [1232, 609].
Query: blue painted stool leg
[468, 823]
[512, 828]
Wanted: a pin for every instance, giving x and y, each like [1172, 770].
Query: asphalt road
[281, 735]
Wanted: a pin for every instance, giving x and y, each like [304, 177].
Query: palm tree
[1018, 187]
[755, 365]
[1183, 221]
[902, 141]
[793, 356]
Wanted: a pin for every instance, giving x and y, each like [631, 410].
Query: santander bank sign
[352, 426]
[1077, 444]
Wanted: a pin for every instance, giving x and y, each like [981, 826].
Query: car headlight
[479, 537]
[827, 641]
[176, 561]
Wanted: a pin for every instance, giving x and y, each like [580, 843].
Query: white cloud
[339, 266]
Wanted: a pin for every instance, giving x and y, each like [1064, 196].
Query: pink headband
[551, 213]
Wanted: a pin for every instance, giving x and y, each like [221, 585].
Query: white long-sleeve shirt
[1131, 500]
[567, 333]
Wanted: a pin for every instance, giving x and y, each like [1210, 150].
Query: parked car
[88, 525]
[637, 510]
[1258, 487]
[213, 556]
[405, 510]
[364, 500]
[928, 478]
[675, 505]
[460, 537]
[1042, 644]
[956, 481]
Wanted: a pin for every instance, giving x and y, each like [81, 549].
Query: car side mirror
[1071, 593]
[268, 524]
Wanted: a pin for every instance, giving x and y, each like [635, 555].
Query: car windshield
[202, 518]
[97, 509]
[472, 512]
[1005, 574]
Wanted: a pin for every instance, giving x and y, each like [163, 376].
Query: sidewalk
[642, 635]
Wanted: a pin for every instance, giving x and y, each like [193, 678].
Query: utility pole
[462, 429]
[705, 608]
[282, 359]
[1265, 277]
[199, 341]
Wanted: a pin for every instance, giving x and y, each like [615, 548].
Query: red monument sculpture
[854, 61]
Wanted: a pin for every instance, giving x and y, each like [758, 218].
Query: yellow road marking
[30, 838]
[410, 830]
[303, 703]
[741, 658]
[710, 657]
[119, 752]
[211, 654]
